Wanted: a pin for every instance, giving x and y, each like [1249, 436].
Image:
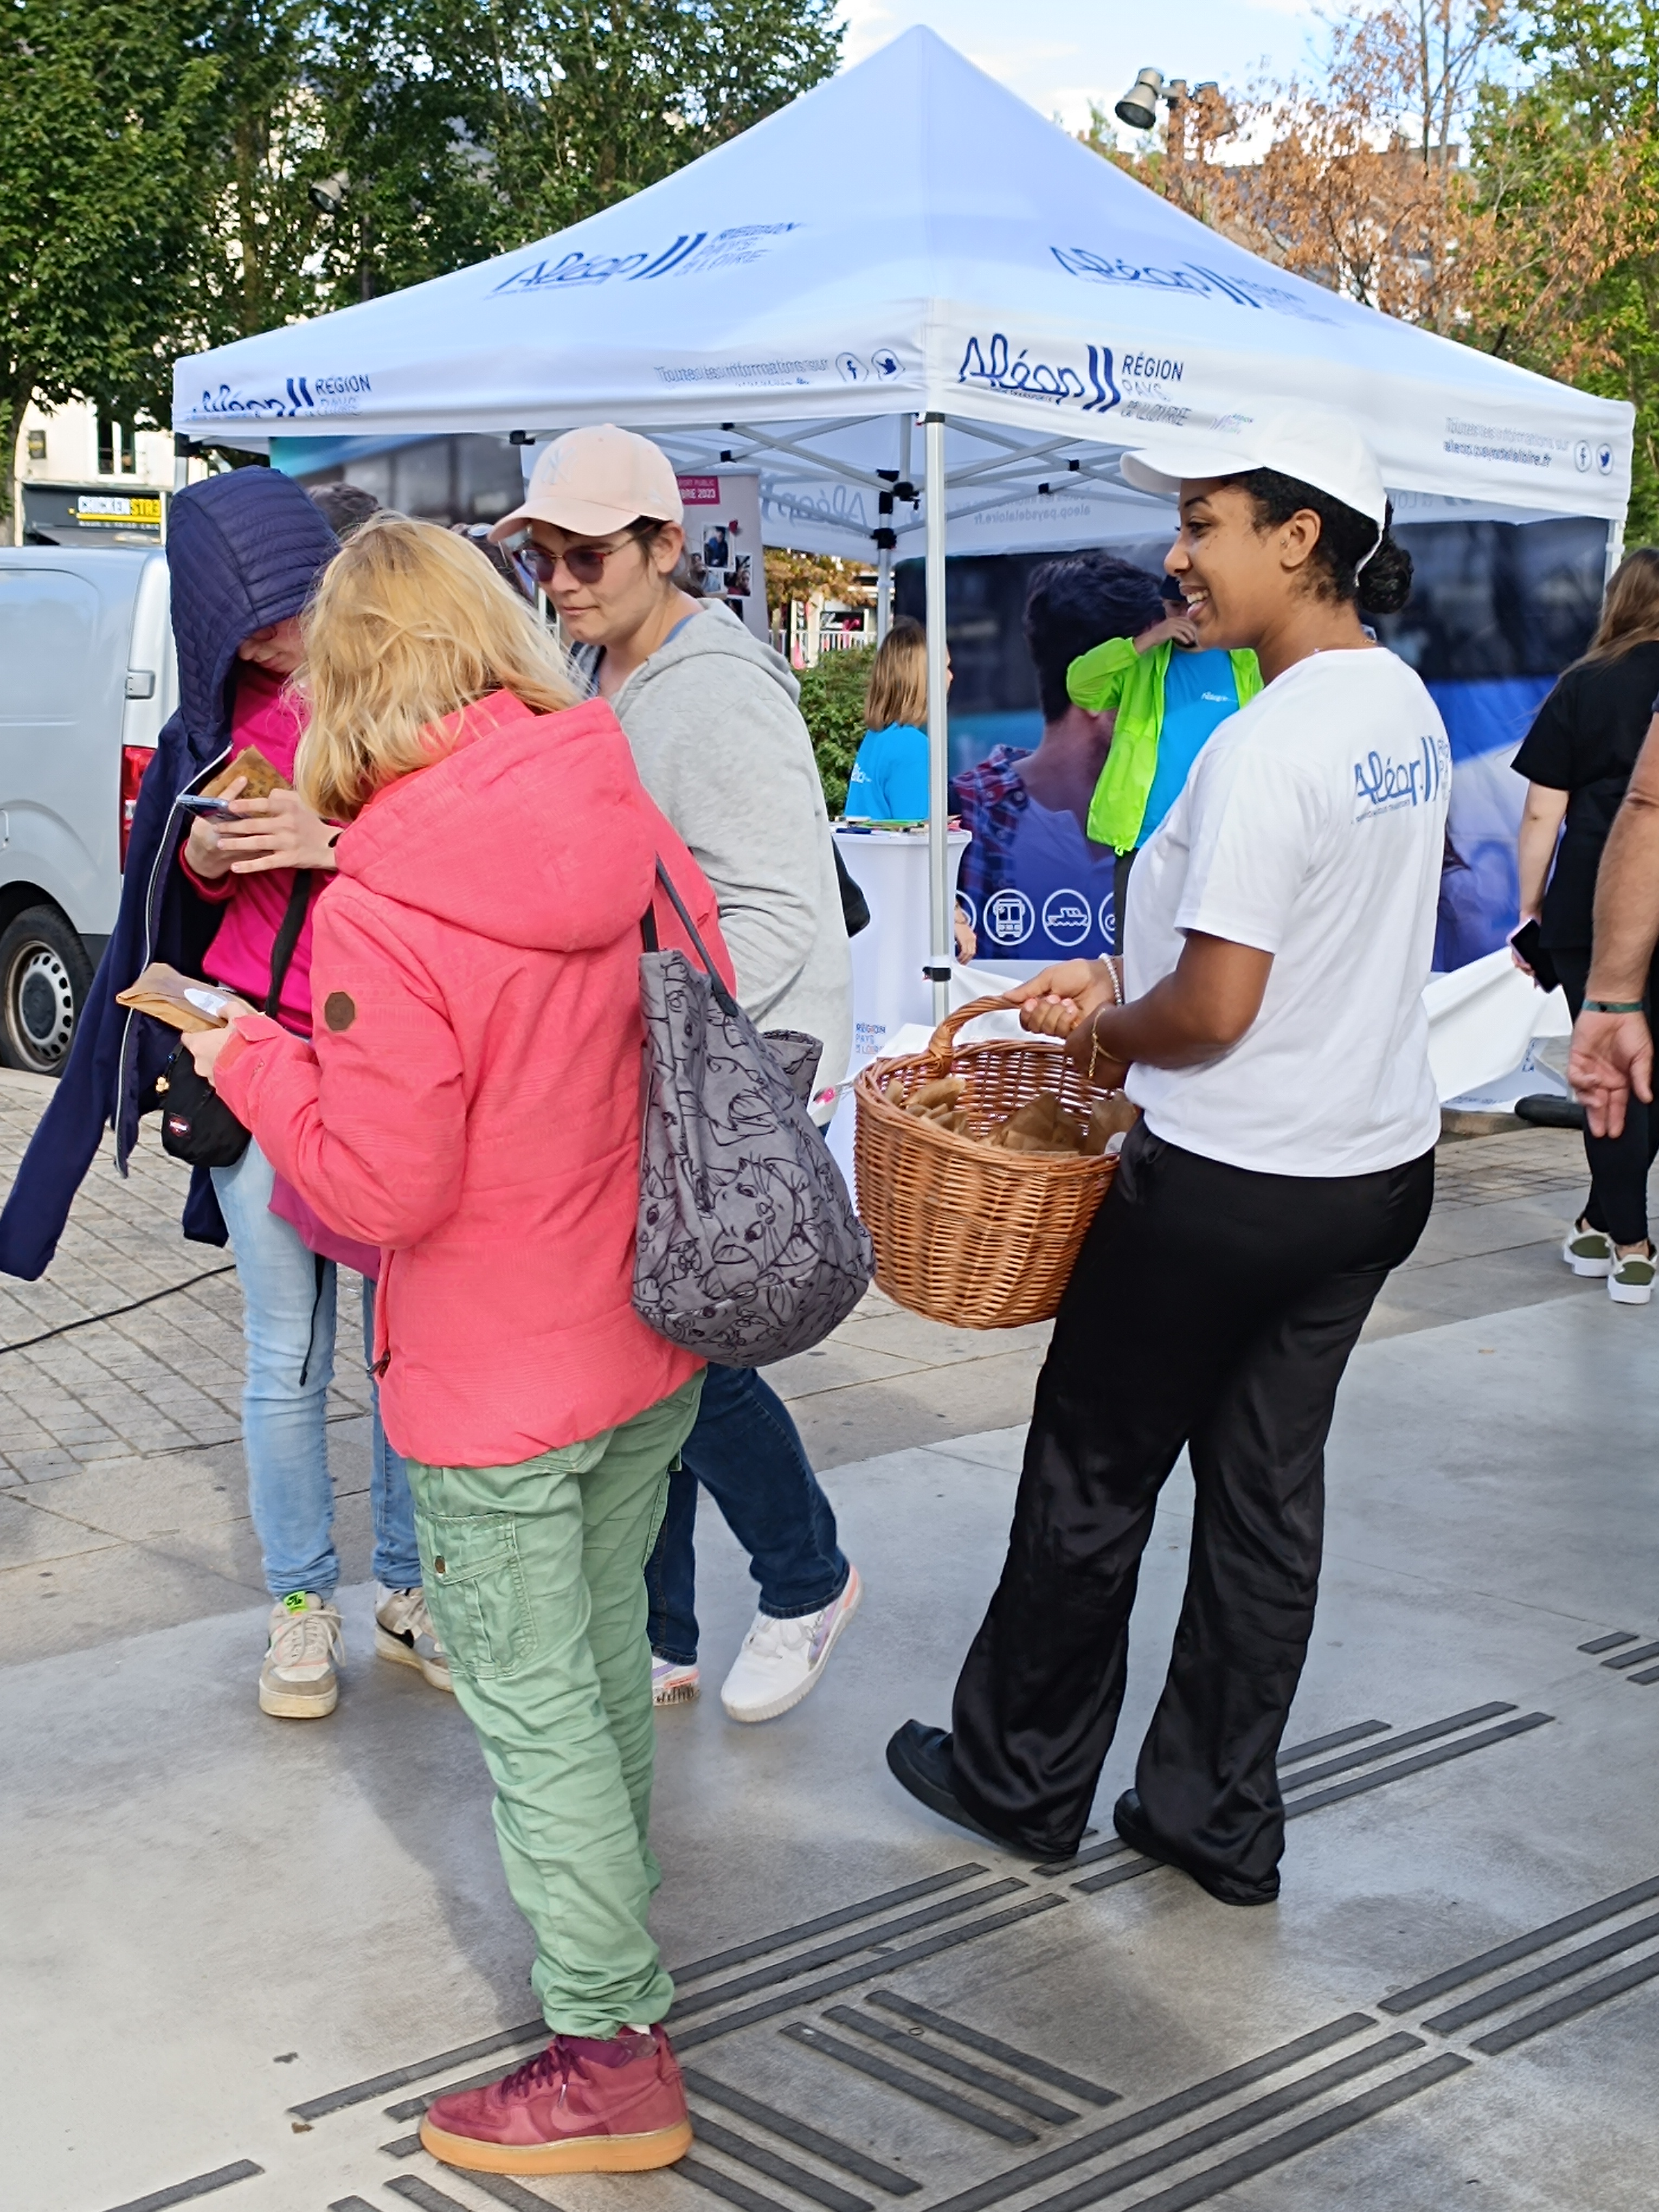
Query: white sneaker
[1630, 1280]
[780, 1660]
[299, 1680]
[1588, 1251]
[671, 1683]
[404, 1632]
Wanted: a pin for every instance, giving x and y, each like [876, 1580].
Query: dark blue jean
[747, 1454]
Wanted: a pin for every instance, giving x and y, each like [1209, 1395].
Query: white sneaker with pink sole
[781, 1660]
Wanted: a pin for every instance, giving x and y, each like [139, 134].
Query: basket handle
[944, 1038]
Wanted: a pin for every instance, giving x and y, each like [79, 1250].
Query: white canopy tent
[911, 243]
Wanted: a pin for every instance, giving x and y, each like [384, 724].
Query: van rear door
[63, 646]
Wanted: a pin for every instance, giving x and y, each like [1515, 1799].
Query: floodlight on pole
[1139, 106]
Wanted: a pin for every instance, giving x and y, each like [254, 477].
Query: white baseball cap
[1315, 445]
[596, 482]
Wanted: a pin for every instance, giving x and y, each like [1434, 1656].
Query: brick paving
[122, 1500]
[165, 1378]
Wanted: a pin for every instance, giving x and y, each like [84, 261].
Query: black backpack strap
[281, 953]
[723, 997]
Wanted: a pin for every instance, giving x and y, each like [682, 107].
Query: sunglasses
[585, 563]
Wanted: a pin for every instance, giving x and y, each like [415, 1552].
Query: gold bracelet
[1094, 1048]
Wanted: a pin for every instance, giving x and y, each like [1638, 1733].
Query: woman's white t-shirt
[1312, 827]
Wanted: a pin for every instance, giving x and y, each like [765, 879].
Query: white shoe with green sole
[1630, 1280]
[1588, 1251]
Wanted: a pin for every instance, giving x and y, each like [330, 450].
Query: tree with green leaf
[832, 707]
[590, 103]
[101, 127]
[1567, 166]
[179, 173]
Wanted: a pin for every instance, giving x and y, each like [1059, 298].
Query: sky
[1062, 54]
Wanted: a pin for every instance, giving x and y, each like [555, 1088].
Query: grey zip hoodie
[720, 744]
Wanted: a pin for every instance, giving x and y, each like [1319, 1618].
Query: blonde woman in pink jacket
[470, 1103]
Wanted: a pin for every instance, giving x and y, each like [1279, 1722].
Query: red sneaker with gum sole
[582, 2105]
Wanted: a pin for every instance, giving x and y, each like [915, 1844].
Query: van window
[49, 671]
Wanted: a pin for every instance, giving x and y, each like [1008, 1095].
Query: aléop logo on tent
[329, 395]
[994, 368]
[1189, 276]
[693, 253]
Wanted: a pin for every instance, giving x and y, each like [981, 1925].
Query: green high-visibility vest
[1116, 675]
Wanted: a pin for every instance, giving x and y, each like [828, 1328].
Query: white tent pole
[939, 741]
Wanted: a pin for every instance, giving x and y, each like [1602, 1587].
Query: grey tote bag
[749, 1248]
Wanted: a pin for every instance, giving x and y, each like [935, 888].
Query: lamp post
[1203, 104]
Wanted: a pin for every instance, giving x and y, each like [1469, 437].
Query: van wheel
[45, 976]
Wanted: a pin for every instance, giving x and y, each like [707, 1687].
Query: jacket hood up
[533, 832]
[244, 550]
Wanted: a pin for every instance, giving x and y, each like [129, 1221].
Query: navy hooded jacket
[244, 550]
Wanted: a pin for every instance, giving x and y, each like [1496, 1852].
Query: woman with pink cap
[711, 715]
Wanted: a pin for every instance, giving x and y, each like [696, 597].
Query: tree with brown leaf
[1358, 184]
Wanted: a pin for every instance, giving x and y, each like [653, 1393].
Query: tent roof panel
[908, 236]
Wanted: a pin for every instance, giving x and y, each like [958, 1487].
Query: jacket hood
[244, 550]
[534, 830]
[713, 629]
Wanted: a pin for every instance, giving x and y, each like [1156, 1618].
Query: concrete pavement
[238, 1953]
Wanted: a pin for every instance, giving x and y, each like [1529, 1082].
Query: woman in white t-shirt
[1280, 932]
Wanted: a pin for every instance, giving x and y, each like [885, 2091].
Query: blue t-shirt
[1199, 695]
[889, 783]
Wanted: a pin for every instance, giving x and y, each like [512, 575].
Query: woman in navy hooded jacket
[245, 551]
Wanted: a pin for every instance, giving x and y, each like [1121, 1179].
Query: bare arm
[1199, 1010]
[1612, 1054]
[1627, 885]
[1540, 825]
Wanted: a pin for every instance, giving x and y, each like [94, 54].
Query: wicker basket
[963, 1233]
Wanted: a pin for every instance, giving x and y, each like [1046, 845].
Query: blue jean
[289, 1309]
[747, 1454]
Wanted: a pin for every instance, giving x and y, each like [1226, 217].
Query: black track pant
[1212, 1308]
[1618, 1201]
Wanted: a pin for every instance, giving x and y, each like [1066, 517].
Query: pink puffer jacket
[470, 1099]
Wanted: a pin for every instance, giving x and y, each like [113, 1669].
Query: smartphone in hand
[1526, 942]
[207, 810]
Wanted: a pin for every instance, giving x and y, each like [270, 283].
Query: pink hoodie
[470, 1099]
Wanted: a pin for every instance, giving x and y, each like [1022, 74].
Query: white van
[87, 679]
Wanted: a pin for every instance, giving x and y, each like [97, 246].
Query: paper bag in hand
[262, 778]
[181, 1001]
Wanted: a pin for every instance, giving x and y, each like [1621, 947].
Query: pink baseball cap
[595, 481]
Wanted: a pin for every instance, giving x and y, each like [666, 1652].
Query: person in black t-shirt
[1578, 759]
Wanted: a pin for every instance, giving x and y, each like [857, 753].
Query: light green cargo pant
[535, 1575]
